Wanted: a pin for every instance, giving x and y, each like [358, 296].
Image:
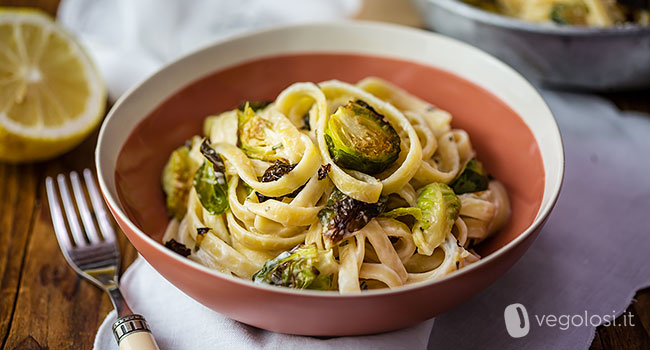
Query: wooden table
[44, 305]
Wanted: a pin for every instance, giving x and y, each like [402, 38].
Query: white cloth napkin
[591, 257]
[129, 40]
[186, 324]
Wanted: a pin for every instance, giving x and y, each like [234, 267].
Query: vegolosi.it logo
[518, 322]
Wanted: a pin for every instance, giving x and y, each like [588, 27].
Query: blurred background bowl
[511, 128]
[570, 57]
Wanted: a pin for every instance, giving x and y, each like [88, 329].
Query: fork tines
[88, 215]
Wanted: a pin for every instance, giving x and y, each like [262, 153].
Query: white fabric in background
[591, 256]
[129, 40]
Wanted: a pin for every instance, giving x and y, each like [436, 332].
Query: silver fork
[93, 253]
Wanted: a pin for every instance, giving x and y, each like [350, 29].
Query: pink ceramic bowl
[510, 126]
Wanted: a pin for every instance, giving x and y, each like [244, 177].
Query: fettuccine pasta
[332, 186]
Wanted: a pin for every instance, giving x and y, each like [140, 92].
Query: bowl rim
[499, 20]
[541, 216]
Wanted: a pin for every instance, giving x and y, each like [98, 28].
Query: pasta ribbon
[397, 221]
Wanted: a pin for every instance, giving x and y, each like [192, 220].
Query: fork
[92, 255]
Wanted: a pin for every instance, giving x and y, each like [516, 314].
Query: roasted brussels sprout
[359, 138]
[440, 208]
[176, 181]
[343, 215]
[210, 182]
[304, 267]
[472, 178]
[574, 14]
[256, 138]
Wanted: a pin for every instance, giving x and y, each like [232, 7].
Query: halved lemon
[51, 94]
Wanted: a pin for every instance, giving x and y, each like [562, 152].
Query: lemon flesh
[51, 94]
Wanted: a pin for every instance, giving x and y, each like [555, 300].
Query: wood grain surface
[44, 305]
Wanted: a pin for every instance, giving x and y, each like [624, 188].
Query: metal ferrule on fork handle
[132, 332]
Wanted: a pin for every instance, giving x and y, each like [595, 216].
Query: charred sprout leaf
[303, 267]
[261, 198]
[277, 170]
[471, 179]
[359, 138]
[440, 208]
[343, 215]
[210, 181]
[323, 171]
[404, 211]
[176, 182]
[200, 236]
[256, 137]
[210, 154]
[274, 173]
[573, 14]
[178, 248]
[255, 105]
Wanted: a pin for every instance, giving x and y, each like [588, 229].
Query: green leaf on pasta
[212, 195]
[472, 178]
[210, 181]
[404, 211]
[440, 208]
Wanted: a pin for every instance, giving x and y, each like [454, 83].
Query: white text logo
[518, 322]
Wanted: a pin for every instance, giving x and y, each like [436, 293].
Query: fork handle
[132, 333]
